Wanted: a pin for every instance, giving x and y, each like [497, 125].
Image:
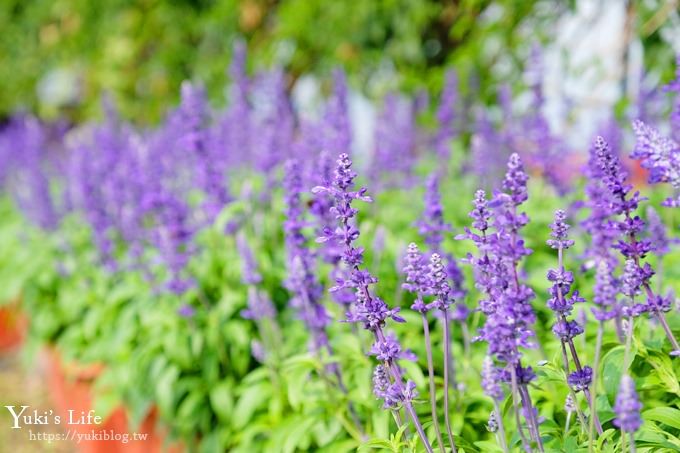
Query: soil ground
[24, 386]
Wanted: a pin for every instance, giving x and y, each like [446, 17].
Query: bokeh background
[58, 57]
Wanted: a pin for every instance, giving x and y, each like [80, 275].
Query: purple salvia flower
[249, 272]
[337, 133]
[439, 283]
[172, 237]
[491, 380]
[659, 154]
[597, 223]
[186, 311]
[580, 380]
[395, 139]
[624, 202]
[488, 151]
[259, 306]
[274, 122]
[657, 233]
[566, 330]
[509, 319]
[25, 143]
[235, 125]
[419, 282]
[441, 291]
[561, 302]
[384, 389]
[367, 309]
[306, 290]
[446, 115]
[209, 167]
[628, 406]
[486, 266]
[674, 86]
[432, 228]
[605, 293]
[416, 272]
[558, 232]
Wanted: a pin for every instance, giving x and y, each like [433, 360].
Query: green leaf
[165, 393]
[252, 398]
[663, 369]
[666, 415]
[612, 369]
[378, 444]
[222, 401]
[488, 446]
[297, 434]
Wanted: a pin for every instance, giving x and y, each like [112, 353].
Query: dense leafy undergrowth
[184, 259]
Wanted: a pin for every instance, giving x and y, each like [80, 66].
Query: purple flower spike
[186, 311]
[432, 227]
[605, 293]
[657, 233]
[559, 232]
[440, 287]
[658, 154]
[628, 406]
[624, 203]
[249, 273]
[515, 182]
[580, 380]
[367, 309]
[387, 349]
[415, 269]
[259, 306]
[491, 380]
[301, 282]
[566, 330]
[446, 115]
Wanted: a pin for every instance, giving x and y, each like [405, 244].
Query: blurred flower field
[241, 276]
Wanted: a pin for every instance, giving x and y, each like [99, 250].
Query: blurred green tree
[58, 56]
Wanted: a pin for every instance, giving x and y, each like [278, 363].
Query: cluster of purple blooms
[660, 153]
[368, 309]
[431, 280]
[302, 283]
[623, 203]
[506, 299]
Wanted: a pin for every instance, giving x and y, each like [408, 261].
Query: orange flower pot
[71, 389]
[13, 326]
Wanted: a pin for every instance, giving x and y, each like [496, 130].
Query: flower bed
[243, 285]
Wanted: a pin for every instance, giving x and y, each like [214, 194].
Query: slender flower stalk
[417, 282]
[507, 306]
[562, 304]
[491, 384]
[307, 291]
[570, 408]
[368, 309]
[432, 228]
[442, 292]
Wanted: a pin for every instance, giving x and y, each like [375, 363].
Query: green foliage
[211, 392]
